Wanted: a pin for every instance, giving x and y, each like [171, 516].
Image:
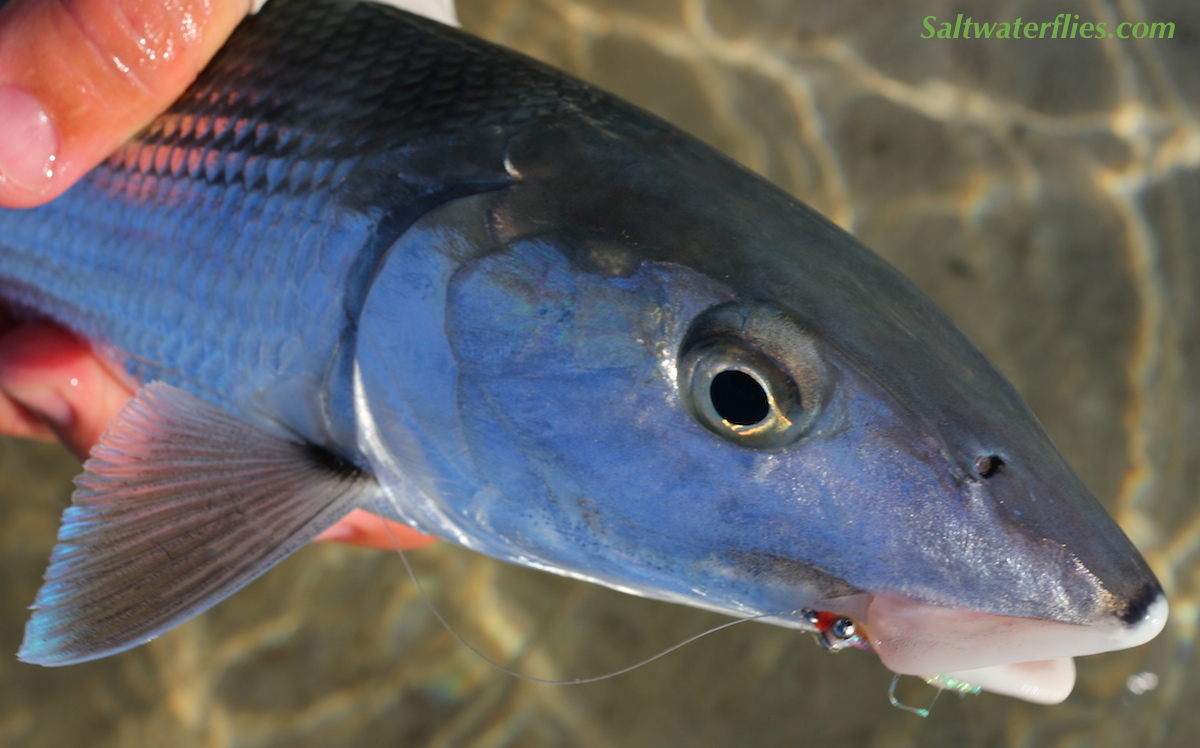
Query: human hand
[78, 78]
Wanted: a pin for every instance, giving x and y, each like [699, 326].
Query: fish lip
[1041, 681]
[913, 638]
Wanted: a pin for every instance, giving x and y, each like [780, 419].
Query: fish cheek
[566, 397]
[572, 416]
[782, 571]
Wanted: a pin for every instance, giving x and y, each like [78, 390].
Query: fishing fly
[835, 632]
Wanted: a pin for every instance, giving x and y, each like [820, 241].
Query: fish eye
[747, 373]
[739, 398]
[740, 393]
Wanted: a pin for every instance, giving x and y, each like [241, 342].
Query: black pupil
[739, 398]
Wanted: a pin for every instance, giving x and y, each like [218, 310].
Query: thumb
[79, 77]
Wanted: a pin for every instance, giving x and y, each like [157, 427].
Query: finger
[52, 378]
[79, 77]
[17, 420]
[53, 386]
[360, 527]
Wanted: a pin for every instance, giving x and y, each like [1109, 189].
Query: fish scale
[197, 204]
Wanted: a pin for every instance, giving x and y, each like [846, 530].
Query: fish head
[674, 379]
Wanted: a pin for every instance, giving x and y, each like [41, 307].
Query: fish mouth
[1026, 658]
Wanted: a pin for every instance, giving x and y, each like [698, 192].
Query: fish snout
[1027, 658]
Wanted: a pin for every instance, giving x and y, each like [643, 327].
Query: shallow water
[1043, 191]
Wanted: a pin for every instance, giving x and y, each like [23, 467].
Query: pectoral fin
[179, 506]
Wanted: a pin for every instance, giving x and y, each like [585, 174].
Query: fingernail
[28, 141]
[46, 402]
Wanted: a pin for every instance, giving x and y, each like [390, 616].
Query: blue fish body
[433, 278]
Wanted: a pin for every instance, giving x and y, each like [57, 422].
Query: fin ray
[180, 505]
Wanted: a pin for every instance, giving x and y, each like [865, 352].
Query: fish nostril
[988, 465]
